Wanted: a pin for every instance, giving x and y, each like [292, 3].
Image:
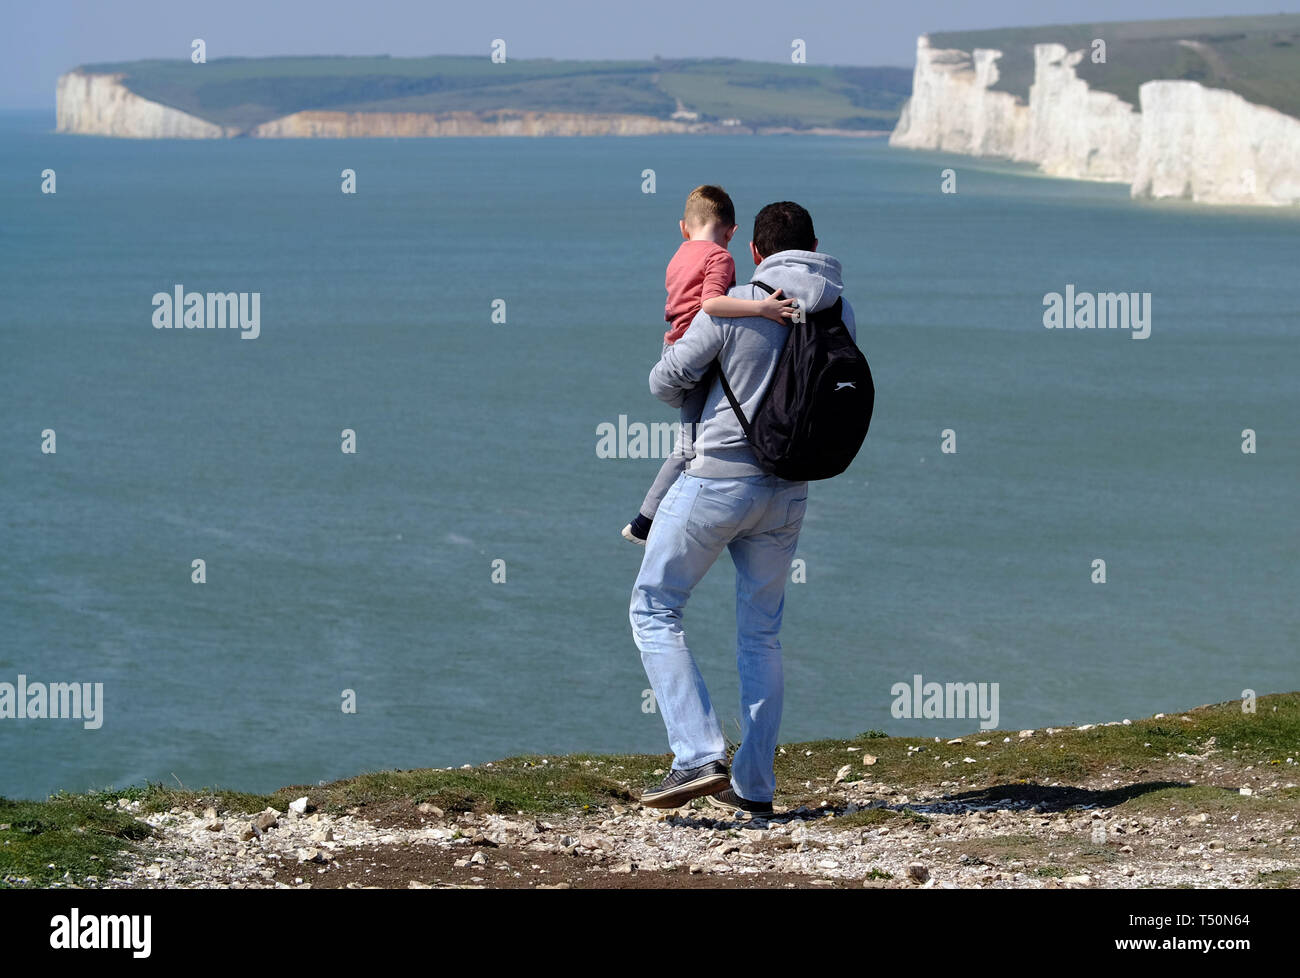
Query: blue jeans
[758, 519]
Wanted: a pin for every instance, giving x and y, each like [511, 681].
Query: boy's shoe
[729, 801]
[683, 786]
[637, 531]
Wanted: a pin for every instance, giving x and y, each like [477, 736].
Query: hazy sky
[40, 39]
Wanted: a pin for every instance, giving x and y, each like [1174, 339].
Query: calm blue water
[476, 442]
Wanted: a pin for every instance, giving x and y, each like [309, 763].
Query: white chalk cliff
[101, 105]
[1187, 141]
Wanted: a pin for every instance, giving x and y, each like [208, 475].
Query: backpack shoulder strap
[735, 405]
[764, 286]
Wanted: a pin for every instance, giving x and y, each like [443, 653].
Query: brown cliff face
[353, 125]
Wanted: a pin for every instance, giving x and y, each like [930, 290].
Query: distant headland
[346, 97]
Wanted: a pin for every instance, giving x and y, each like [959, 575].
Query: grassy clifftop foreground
[242, 93]
[1256, 57]
[1232, 767]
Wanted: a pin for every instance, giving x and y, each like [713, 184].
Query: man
[724, 499]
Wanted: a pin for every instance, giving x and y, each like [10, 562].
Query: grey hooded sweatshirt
[747, 350]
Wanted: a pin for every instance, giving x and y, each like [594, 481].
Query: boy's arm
[720, 276]
[775, 307]
[685, 363]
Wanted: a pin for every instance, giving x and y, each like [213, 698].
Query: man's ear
[753, 253]
[686, 235]
[726, 240]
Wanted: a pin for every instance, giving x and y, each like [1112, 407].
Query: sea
[380, 533]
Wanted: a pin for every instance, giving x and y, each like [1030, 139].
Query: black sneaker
[683, 786]
[731, 802]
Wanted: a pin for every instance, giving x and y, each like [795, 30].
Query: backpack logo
[846, 383]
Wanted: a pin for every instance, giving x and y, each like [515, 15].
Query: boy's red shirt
[700, 270]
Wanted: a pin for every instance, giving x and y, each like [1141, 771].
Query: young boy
[698, 277]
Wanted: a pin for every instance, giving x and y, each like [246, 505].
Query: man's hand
[776, 308]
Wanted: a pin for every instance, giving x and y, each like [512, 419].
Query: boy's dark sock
[641, 526]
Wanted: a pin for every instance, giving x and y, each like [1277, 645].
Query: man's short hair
[783, 226]
[707, 205]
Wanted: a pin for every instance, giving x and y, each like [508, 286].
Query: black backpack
[815, 413]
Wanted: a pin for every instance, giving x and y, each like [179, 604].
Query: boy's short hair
[707, 204]
[783, 226]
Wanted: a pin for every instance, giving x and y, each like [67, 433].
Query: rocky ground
[871, 835]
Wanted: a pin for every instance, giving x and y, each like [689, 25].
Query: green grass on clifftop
[67, 837]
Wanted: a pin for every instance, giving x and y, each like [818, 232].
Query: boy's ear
[686, 235]
[727, 238]
[753, 253]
